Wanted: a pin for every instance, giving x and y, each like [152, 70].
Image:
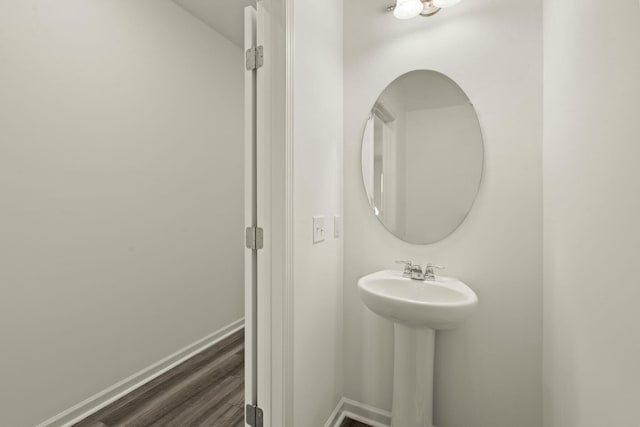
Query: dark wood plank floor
[206, 390]
[348, 422]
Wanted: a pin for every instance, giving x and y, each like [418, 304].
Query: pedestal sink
[418, 309]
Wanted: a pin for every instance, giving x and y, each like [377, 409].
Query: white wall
[488, 372]
[121, 194]
[591, 212]
[318, 274]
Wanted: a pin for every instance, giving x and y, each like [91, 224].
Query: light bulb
[445, 3]
[407, 9]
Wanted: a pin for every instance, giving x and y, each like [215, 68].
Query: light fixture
[442, 4]
[407, 9]
[428, 8]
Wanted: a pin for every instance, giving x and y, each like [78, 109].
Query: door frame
[287, 329]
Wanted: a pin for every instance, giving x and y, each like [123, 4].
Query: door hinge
[254, 238]
[254, 416]
[255, 58]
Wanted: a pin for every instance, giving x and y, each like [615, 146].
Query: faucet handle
[428, 271]
[408, 265]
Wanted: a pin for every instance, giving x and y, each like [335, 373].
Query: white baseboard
[357, 411]
[116, 391]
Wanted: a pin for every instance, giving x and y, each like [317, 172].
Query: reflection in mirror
[422, 156]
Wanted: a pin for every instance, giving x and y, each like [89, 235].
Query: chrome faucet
[411, 271]
[414, 271]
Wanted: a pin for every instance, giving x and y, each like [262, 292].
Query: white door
[257, 219]
[250, 216]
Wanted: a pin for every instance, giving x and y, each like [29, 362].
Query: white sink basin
[440, 304]
[418, 309]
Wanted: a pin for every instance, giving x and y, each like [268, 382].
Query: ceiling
[224, 16]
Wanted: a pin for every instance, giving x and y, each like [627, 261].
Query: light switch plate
[337, 226]
[318, 229]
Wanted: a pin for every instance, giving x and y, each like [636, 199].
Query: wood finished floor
[204, 391]
[351, 423]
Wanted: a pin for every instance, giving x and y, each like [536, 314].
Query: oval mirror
[422, 156]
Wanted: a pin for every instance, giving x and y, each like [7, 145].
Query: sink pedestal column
[413, 377]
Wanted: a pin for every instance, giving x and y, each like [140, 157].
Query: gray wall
[591, 212]
[488, 372]
[120, 194]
